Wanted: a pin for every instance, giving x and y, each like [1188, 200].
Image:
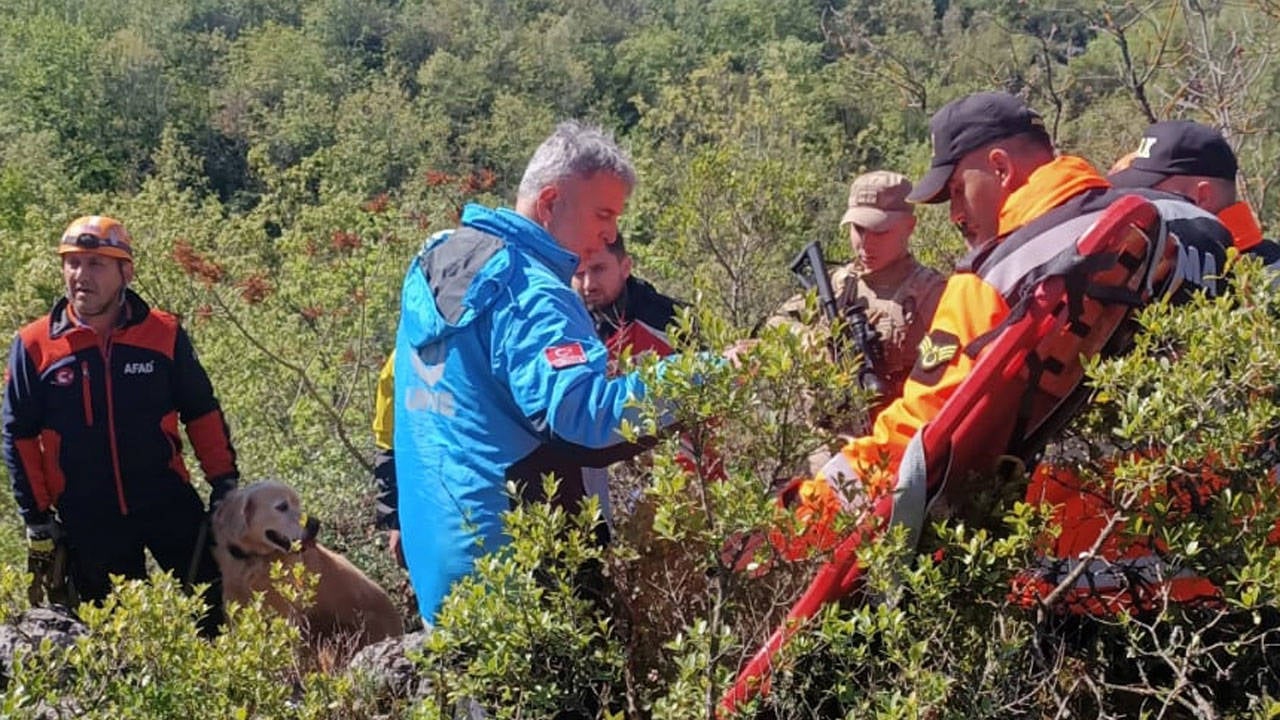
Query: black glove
[220, 488]
[43, 538]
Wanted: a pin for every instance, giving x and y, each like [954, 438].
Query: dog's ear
[229, 519]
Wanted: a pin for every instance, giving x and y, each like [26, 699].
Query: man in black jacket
[93, 397]
[628, 312]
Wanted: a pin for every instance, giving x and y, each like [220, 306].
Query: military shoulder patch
[936, 351]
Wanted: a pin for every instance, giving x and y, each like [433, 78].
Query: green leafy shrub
[525, 635]
[280, 161]
[143, 659]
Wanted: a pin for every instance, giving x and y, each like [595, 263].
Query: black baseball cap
[1178, 147]
[965, 125]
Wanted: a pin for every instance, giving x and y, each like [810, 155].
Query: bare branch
[303, 379]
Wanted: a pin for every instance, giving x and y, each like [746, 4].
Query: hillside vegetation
[278, 162]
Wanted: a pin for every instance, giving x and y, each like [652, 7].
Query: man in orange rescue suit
[93, 396]
[1196, 162]
[1008, 190]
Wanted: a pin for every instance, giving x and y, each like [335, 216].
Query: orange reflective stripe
[212, 444]
[1240, 220]
[968, 309]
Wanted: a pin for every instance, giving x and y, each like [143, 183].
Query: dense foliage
[278, 162]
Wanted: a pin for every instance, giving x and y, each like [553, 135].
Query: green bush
[941, 635]
[524, 636]
[143, 659]
[279, 162]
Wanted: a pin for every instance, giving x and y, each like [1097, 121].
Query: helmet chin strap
[122, 307]
[124, 286]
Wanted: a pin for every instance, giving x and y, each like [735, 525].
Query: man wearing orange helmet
[93, 395]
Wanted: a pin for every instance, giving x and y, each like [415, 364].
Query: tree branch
[303, 379]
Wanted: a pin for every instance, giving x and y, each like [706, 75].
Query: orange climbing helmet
[97, 234]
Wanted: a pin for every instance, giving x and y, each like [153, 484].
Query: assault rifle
[810, 269]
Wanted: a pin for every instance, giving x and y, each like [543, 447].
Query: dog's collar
[240, 553]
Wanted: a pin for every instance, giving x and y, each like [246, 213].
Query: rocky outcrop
[54, 624]
[60, 628]
[389, 666]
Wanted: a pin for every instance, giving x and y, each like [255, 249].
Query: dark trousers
[167, 523]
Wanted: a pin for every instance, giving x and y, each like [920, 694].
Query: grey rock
[60, 627]
[56, 624]
[389, 665]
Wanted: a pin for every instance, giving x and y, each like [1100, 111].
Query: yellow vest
[383, 410]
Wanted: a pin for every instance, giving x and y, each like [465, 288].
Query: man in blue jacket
[499, 373]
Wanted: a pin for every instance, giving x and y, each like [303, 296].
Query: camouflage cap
[877, 199]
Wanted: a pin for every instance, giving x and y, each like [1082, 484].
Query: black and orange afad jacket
[92, 427]
[637, 320]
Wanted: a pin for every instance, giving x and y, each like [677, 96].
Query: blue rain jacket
[496, 360]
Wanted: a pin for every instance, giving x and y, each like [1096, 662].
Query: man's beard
[93, 308]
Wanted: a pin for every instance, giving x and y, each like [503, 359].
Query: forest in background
[305, 148]
[278, 162]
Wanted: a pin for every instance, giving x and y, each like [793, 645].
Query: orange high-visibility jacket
[1059, 201]
[1129, 571]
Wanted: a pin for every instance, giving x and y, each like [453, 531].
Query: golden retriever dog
[261, 523]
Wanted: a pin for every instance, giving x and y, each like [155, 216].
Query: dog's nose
[311, 525]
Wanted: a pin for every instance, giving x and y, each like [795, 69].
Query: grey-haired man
[499, 374]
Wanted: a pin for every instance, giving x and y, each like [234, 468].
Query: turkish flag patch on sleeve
[567, 355]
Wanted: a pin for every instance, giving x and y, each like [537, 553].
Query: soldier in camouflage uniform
[898, 293]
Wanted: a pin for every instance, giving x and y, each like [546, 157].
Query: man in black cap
[1196, 162]
[1009, 191]
[985, 145]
